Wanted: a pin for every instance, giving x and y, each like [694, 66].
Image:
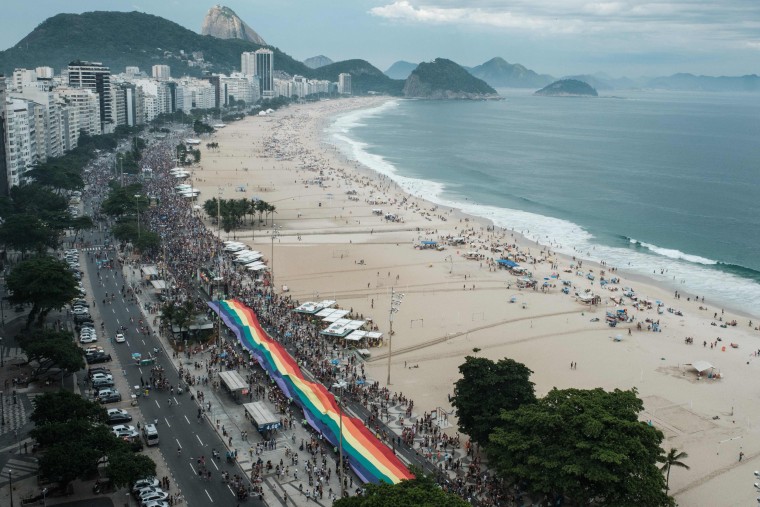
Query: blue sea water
[662, 184]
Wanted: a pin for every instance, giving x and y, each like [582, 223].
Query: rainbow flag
[372, 460]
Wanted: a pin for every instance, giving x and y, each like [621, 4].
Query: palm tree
[671, 459]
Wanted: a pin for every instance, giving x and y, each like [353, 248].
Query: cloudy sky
[559, 37]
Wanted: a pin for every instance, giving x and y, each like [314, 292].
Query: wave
[673, 254]
[732, 285]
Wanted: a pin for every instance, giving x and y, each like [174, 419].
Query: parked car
[97, 357]
[145, 482]
[101, 376]
[97, 384]
[118, 416]
[97, 369]
[88, 338]
[153, 496]
[156, 503]
[123, 430]
[112, 396]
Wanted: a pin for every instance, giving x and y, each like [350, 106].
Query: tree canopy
[50, 349]
[421, 491]
[44, 282]
[74, 441]
[62, 406]
[485, 389]
[586, 446]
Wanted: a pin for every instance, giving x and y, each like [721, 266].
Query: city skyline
[620, 38]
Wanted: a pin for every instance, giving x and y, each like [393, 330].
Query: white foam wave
[681, 271]
[675, 254]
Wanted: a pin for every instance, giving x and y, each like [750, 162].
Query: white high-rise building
[23, 77]
[161, 72]
[44, 72]
[263, 69]
[86, 104]
[248, 63]
[21, 140]
[96, 77]
[239, 87]
[50, 136]
[344, 83]
[195, 94]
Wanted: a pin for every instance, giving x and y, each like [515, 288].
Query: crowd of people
[189, 246]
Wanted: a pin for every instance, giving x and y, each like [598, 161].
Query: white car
[124, 430]
[101, 376]
[80, 311]
[88, 339]
[148, 482]
[120, 338]
[151, 496]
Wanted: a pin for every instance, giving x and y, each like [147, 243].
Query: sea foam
[679, 270]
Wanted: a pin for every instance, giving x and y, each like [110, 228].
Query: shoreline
[331, 245]
[641, 278]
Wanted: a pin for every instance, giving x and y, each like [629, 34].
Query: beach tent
[311, 307]
[507, 263]
[702, 366]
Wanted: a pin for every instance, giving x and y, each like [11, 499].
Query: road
[178, 424]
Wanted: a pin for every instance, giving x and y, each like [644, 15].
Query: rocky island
[444, 79]
[567, 88]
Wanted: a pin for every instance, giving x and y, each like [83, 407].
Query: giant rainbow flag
[372, 460]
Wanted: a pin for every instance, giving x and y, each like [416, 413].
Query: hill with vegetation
[120, 39]
[444, 79]
[365, 77]
[499, 73]
[568, 88]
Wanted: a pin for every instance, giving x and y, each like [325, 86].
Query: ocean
[661, 184]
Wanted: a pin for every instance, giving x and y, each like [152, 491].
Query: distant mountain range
[316, 62]
[400, 70]
[121, 39]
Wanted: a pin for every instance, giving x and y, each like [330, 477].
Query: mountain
[400, 70]
[316, 62]
[222, 23]
[690, 82]
[444, 79]
[500, 74]
[365, 77]
[118, 39]
[567, 88]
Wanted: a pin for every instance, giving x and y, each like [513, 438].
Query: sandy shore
[332, 246]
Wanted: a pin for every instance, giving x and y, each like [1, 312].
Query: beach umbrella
[335, 361]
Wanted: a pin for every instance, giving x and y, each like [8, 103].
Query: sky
[559, 37]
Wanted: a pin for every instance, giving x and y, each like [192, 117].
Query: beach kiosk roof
[331, 315]
[311, 307]
[507, 263]
[702, 366]
[428, 242]
[149, 271]
[159, 285]
[262, 417]
[233, 382]
[342, 327]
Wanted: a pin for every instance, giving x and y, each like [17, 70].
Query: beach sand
[332, 246]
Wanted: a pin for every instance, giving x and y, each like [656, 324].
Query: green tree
[80, 224]
[62, 406]
[52, 349]
[26, 233]
[672, 459]
[586, 446]
[44, 282]
[485, 389]
[421, 491]
[58, 174]
[125, 467]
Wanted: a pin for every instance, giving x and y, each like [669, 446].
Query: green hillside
[364, 77]
[443, 78]
[119, 39]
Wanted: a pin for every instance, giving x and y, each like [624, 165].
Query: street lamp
[340, 385]
[137, 205]
[10, 484]
[275, 234]
[396, 300]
